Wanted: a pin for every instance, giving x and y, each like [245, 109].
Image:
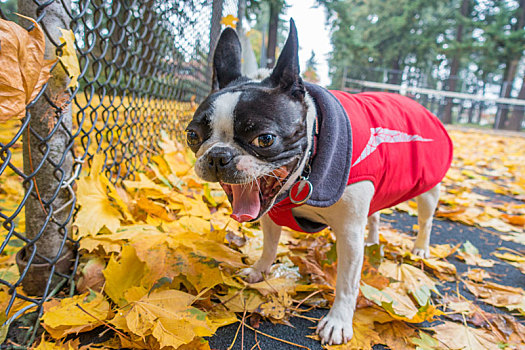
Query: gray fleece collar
[333, 157]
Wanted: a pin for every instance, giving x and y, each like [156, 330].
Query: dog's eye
[192, 138]
[263, 141]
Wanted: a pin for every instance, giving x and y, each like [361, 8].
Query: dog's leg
[373, 229]
[272, 233]
[426, 206]
[348, 220]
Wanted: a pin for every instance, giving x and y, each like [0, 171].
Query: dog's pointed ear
[226, 59]
[286, 73]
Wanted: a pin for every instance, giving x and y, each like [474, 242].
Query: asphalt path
[444, 231]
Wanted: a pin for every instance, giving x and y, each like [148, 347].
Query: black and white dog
[291, 153]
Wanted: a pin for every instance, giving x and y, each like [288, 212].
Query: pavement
[444, 231]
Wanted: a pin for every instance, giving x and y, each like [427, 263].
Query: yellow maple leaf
[169, 317]
[425, 342]
[219, 318]
[24, 70]
[123, 273]
[230, 21]
[147, 186]
[477, 275]
[470, 254]
[414, 281]
[396, 335]
[65, 317]
[460, 336]
[59, 345]
[512, 298]
[398, 303]
[93, 196]
[241, 300]
[69, 56]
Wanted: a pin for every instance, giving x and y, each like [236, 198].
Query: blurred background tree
[269, 29]
[455, 45]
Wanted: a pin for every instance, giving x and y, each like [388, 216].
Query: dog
[290, 153]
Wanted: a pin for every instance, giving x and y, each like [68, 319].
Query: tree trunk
[46, 154]
[241, 10]
[518, 112]
[394, 77]
[506, 88]
[275, 8]
[454, 67]
[215, 31]
[471, 112]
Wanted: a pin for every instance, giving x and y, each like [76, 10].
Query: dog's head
[252, 136]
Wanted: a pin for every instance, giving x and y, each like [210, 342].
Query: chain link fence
[143, 68]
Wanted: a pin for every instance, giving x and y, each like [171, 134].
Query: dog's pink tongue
[246, 204]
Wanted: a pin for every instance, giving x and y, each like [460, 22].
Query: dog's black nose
[219, 157]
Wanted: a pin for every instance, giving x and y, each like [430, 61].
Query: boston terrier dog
[291, 153]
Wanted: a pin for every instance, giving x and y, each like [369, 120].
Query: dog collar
[302, 190]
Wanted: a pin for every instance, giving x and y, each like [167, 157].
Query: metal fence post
[48, 163]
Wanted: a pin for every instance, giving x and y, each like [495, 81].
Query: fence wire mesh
[143, 68]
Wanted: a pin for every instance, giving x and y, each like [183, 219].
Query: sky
[313, 34]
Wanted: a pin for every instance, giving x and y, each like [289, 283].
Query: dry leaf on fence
[24, 69]
[69, 56]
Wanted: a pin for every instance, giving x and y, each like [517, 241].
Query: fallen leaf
[91, 276]
[169, 317]
[122, 273]
[65, 317]
[518, 261]
[96, 210]
[477, 275]
[425, 342]
[414, 280]
[459, 336]
[470, 254]
[512, 298]
[396, 335]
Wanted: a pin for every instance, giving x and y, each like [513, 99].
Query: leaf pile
[160, 256]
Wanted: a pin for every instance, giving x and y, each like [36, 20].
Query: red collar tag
[301, 191]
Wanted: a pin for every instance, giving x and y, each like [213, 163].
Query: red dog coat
[397, 144]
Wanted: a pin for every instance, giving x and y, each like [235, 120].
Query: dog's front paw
[421, 252]
[251, 275]
[335, 329]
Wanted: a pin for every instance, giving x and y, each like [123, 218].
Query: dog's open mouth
[250, 200]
